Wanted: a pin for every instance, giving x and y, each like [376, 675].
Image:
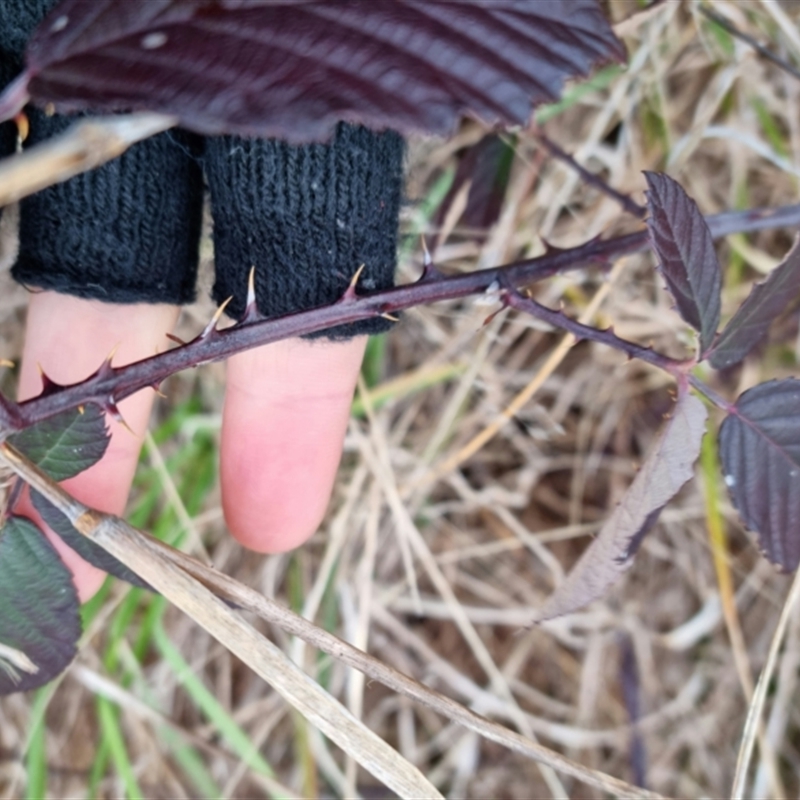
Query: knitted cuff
[306, 217]
[126, 232]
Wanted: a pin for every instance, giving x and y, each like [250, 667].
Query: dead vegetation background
[432, 555]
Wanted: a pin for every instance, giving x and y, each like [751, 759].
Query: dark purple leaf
[39, 619]
[65, 444]
[766, 301]
[666, 469]
[759, 446]
[685, 250]
[85, 548]
[293, 68]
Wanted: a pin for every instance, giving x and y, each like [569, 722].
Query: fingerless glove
[305, 216]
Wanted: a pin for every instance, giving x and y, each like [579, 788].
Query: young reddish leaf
[86, 549]
[39, 620]
[682, 241]
[663, 473]
[767, 300]
[759, 446]
[293, 68]
[65, 444]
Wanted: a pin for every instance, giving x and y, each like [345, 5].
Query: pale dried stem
[85, 145]
[754, 712]
[196, 582]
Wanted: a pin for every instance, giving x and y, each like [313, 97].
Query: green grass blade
[36, 757]
[602, 79]
[226, 726]
[112, 734]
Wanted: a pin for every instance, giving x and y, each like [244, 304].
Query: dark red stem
[110, 385]
[628, 203]
[558, 319]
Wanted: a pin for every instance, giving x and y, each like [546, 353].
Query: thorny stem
[560, 320]
[630, 205]
[108, 385]
[757, 46]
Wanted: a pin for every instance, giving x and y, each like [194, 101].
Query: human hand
[284, 418]
[112, 254]
[306, 217]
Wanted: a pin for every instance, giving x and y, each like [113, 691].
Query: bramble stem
[628, 203]
[607, 337]
[110, 385]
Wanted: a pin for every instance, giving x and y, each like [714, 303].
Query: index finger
[68, 338]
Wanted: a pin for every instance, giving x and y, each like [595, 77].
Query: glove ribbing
[126, 232]
[306, 217]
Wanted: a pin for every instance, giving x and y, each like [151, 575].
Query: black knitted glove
[306, 217]
[126, 232]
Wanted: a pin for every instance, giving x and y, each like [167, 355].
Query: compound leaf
[664, 472]
[760, 453]
[767, 300]
[39, 609]
[685, 250]
[293, 68]
[85, 548]
[65, 444]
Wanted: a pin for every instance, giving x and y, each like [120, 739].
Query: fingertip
[276, 523]
[286, 410]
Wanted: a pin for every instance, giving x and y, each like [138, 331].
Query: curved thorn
[212, 325]
[176, 339]
[113, 411]
[429, 271]
[49, 386]
[251, 286]
[427, 261]
[390, 317]
[105, 370]
[251, 312]
[350, 293]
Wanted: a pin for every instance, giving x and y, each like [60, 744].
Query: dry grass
[434, 570]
